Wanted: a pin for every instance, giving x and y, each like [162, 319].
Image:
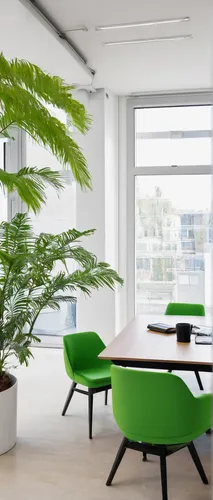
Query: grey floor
[54, 459]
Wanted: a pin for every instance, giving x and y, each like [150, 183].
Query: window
[3, 195]
[169, 209]
[10, 161]
[56, 216]
[173, 136]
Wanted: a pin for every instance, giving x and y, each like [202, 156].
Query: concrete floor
[54, 459]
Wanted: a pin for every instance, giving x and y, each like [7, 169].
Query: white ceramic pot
[8, 417]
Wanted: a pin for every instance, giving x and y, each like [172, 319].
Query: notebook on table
[161, 327]
[203, 339]
[204, 335]
[206, 331]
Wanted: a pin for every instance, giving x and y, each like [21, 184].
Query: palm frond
[24, 91]
[94, 277]
[16, 236]
[72, 236]
[51, 89]
[50, 248]
[16, 304]
[30, 183]
[63, 239]
[23, 353]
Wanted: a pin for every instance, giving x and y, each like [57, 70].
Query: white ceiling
[23, 36]
[145, 67]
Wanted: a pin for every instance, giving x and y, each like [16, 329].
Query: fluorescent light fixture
[78, 28]
[149, 40]
[143, 23]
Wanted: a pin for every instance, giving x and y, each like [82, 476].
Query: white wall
[111, 197]
[99, 208]
[122, 211]
[111, 178]
[22, 35]
[90, 204]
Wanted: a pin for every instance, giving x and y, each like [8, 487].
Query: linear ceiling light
[77, 28]
[143, 23]
[150, 40]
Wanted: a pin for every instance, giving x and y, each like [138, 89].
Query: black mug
[183, 331]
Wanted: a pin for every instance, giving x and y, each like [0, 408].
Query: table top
[137, 343]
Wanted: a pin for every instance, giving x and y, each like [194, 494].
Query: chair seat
[94, 377]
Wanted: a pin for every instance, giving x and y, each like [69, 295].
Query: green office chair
[184, 309]
[157, 414]
[82, 365]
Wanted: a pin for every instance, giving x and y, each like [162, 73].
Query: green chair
[157, 414]
[82, 365]
[185, 309]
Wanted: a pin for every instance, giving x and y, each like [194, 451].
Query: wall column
[99, 208]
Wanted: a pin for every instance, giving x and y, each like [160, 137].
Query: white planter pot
[8, 417]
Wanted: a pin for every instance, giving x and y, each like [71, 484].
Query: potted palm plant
[29, 283]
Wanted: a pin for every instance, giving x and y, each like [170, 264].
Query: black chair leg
[106, 397]
[163, 476]
[69, 397]
[209, 432]
[117, 461]
[169, 371]
[90, 412]
[197, 462]
[199, 380]
[144, 457]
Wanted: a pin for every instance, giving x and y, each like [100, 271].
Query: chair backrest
[81, 351]
[185, 309]
[153, 407]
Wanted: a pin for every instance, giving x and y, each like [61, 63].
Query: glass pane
[166, 152]
[176, 147]
[56, 216]
[173, 238]
[3, 195]
[173, 118]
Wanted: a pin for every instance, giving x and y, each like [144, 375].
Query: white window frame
[15, 155]
[151, 101]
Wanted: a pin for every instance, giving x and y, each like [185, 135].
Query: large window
[169, 204]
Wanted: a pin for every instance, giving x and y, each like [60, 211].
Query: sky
[190, 192]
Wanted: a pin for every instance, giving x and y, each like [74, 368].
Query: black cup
[183, 331]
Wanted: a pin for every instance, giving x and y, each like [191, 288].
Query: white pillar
[99, 208]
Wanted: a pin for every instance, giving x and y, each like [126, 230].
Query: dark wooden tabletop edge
[153, 360]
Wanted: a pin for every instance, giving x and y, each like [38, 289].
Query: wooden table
[136, 346]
